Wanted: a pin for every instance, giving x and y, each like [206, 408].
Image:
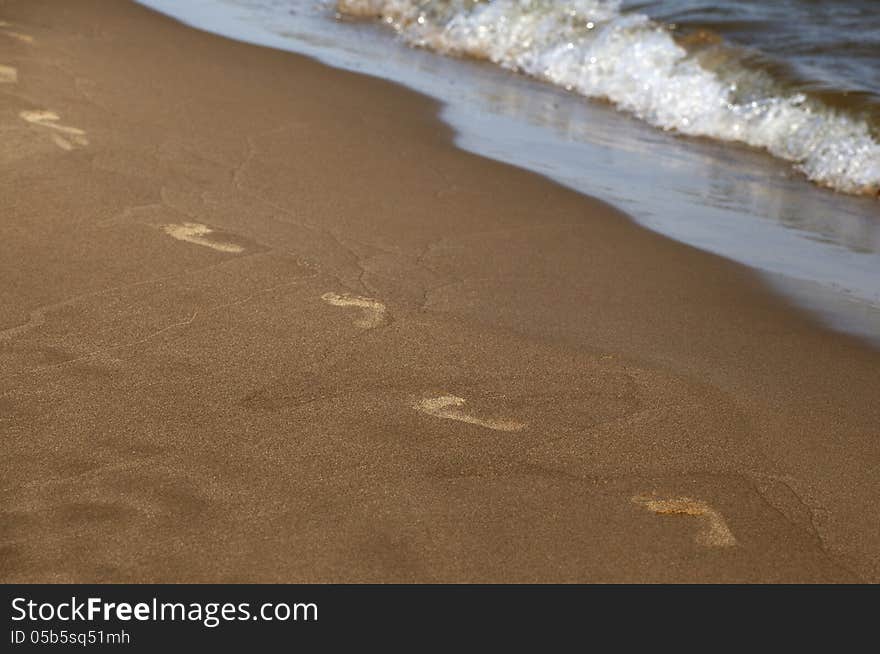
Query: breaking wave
[696, 85]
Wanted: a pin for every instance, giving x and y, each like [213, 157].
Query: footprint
[195, 233]
[18, 36]
[715, 532]
[8, 75]
[72, 136]
[36, 319]
[442, 407]
[373, 310]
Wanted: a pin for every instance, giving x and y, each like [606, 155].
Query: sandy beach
[261, 321]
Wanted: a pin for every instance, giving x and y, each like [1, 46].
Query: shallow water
[819, 247]
[683, 77]
[830, 46]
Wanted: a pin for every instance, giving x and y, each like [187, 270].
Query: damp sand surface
[262, 321]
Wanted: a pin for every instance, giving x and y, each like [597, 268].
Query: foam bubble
[592, 48]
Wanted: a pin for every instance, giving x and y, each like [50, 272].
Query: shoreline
[819, 249]
[232, 425]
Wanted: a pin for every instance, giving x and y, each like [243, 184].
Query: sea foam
[593, 48]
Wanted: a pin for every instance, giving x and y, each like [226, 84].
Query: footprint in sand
[196, 233]
[373, 310]
[66, 138]
[36, 319]
[18, 36]
[8, 75]
[715, 532]
[445, 407]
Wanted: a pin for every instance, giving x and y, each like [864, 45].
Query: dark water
[796, 78]
[829, 48]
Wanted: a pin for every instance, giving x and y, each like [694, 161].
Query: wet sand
[261, 321]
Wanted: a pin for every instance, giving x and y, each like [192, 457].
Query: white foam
[590, 47]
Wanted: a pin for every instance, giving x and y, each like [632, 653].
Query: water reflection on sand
[820, 248]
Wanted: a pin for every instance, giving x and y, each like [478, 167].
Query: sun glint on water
[594, 48]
